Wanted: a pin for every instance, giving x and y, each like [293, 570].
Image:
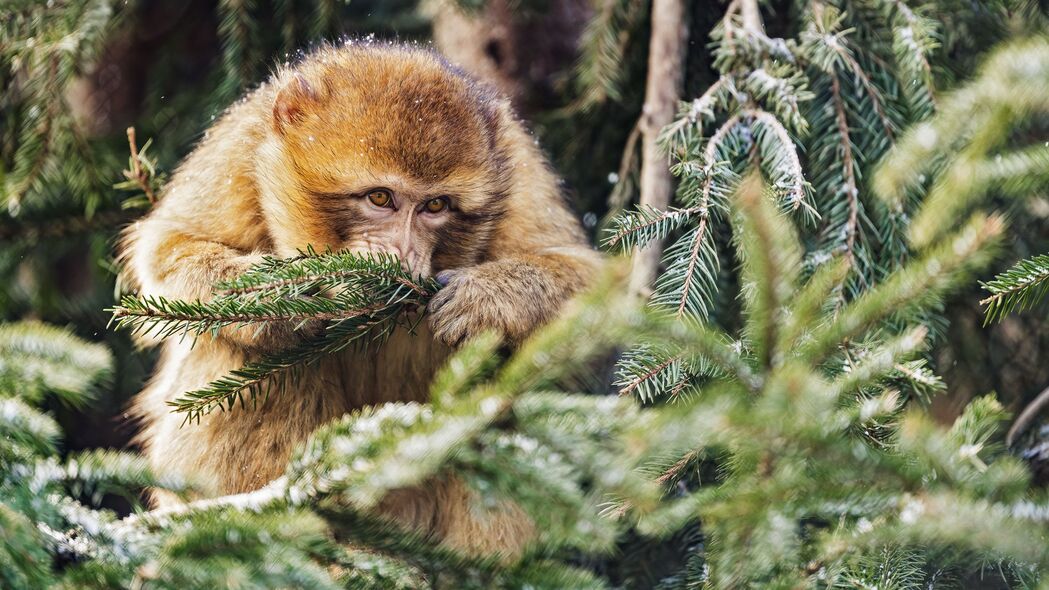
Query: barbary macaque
[366, 148]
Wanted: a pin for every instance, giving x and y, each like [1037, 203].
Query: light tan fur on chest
[257, 438]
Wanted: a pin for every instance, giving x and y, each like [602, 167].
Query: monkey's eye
[380, 197]
[437, 204]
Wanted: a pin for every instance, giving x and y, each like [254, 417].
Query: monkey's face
[395, 155]
[422, 225]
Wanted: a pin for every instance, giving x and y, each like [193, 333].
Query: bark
[662, 92]
[523, 53]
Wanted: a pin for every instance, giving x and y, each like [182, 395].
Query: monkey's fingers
[445, 277]
[447, 326]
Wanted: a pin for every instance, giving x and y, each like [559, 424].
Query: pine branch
[237, 35]
[782, 92]
[275, 372]
[141, 174]
[770, 256]
[961, 143]
[360, 298]
[693, 115]
[599, 71]
[36, 358]
[882, 361]
[913, 41]
[26, 432]
[54, 46]
[164, 317]
[651, 373]
[688, 283]
[22, 231]
[334, 287]
[323, 17]
[98, 472]
[716, 145]
[810, 301]
[918, 378]
[1017, 289]
[636, 228]
[917, 284]
[826, 45]
[311, 272]
[779, 159]
[264, 497]
[850, 189]
[36, 146]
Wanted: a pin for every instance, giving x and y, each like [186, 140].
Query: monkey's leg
[452, 513]
[463, 523]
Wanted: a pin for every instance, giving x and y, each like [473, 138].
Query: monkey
[362, 147]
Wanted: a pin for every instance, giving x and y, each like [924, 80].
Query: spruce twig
[1017, 289]
[137, 174]
[359, 298]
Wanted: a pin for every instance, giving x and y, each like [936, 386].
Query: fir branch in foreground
[333, 287]
[359, 298]
[36, 358]
[312, 272]
[273, 371]
[599, 71]
[1021, 287]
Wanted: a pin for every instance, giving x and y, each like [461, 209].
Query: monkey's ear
[292, 102]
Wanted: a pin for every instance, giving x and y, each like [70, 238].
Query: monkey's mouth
[413, 313]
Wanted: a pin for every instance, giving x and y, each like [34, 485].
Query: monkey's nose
[405, 259]
[403, 254]
[411, 263]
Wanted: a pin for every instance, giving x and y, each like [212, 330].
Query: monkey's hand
[510, 297]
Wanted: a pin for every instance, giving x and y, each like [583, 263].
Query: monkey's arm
[205, 230]
[539, 258]
[168, 261]
[512, 295]
[165, 258]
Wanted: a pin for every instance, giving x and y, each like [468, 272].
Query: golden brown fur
[284, 169]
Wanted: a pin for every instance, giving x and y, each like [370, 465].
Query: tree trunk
[662, 90]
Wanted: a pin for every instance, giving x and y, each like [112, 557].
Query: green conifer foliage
[354, 300]
[979, 144]
[768, 432]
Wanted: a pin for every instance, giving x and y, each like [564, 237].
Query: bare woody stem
[752, 17]
[121, 313]
[662, 91]
[136, 173]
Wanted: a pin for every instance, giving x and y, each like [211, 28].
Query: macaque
[366, 148]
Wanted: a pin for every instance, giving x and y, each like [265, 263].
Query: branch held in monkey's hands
[359, 298]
